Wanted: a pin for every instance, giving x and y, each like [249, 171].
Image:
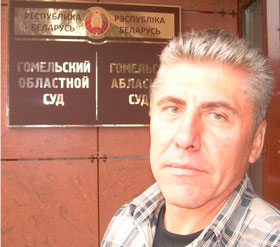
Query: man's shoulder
[265, 215]
[142, 204]
[132, 223]
[254, 223]
[261, 226]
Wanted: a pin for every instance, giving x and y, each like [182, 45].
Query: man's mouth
[183, 170]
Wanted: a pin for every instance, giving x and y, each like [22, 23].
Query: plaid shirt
[245, 220]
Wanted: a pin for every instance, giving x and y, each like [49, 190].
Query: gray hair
[220, 46]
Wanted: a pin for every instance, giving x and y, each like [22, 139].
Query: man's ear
[258, 143]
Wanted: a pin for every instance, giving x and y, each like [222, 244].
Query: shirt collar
[232, 213]
[149, 203]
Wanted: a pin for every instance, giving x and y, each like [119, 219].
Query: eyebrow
[170, 99]
[206, 105]
[219, 104]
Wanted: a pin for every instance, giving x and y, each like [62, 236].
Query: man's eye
[172, 109]
[217, 116]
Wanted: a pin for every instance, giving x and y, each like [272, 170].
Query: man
[208, 105]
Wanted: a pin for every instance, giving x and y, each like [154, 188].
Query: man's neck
[187, 221]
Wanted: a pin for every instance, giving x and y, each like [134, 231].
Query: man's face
[201, 133]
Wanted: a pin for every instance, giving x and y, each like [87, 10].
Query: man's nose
[188, 135]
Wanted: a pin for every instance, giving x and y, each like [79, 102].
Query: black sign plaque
[84, 64]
